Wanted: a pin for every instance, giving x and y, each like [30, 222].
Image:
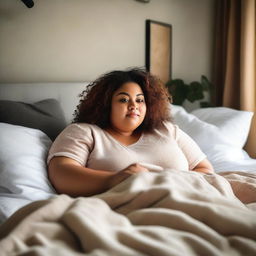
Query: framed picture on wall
[158, 49]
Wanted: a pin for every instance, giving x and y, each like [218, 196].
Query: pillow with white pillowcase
[221, 133]
[23, 171]
[235, 124]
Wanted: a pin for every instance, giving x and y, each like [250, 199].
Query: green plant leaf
[195, 92]
[192, 92]
[205, 83]
[178, 89]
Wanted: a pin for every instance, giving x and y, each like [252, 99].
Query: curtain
[234, 71]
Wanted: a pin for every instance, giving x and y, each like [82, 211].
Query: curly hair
[95, 100]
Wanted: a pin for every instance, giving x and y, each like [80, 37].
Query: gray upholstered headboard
[65, 93]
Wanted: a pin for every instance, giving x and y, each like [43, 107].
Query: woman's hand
[125, 173]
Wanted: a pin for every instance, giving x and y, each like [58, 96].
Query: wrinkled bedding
[164, 213]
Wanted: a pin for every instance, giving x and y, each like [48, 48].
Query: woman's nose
[132, 106]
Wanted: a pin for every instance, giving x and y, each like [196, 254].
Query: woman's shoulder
[169, 126]
[168, 129]
[78, 128]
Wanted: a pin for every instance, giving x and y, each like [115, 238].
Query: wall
[63, 40]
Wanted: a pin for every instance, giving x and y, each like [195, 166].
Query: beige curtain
[234, 74]
[248, 68]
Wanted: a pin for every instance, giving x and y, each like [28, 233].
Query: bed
[170, 212]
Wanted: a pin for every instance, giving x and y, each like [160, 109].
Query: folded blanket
[166, 213]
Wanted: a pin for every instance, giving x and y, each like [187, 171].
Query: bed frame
[68, 96]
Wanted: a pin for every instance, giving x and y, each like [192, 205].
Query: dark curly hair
[95, 100]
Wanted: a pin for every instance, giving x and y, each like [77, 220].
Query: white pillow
[23, 173]
[235, 124]
[221, 140]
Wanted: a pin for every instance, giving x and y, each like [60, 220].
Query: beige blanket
[167, 213]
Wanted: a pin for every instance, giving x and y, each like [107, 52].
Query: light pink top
[95, 148]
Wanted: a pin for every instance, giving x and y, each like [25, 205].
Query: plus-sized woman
[122, 126]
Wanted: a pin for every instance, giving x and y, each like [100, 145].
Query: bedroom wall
[63, 40]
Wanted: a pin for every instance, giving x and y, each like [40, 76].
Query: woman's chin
[129, 127]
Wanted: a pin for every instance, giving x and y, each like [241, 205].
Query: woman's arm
[204, 166]
[69, 177]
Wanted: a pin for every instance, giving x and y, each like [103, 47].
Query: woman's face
[128, 108]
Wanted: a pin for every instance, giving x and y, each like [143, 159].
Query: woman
[122, 126]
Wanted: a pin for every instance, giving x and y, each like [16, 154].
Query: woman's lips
[132, 115]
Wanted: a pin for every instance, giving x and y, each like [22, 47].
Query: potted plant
[191, 92]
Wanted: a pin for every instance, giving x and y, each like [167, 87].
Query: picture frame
[159, 49]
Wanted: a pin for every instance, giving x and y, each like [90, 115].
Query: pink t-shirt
[93, 147]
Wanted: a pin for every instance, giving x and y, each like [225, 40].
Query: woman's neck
[116, 132]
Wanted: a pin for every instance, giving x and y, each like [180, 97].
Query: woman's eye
[123, 100]
[140, 100]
